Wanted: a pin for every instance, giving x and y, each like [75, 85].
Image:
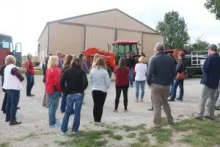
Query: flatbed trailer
[193, 63]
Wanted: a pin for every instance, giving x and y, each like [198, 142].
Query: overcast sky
[25, 19]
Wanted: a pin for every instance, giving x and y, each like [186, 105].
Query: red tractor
[120, 49]
[6, 48]
[126, 48]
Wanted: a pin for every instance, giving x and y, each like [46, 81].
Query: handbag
[181, 76]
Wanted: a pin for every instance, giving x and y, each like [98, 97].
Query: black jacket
[44, 69]
[2, 69]
[211, 71]
[73, 80]
[131, 62]
[161, 70]
[180, 67]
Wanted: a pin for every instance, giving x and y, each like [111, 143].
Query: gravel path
[35, 132]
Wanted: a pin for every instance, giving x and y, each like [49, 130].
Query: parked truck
[7, 48]
[193, 61]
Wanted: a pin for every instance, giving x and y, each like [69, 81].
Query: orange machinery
[108, 57]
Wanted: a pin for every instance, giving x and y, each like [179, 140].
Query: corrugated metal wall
[128, 35]
[99, 37]
[43, 44]
[149, 42]
[69, 39]
[114, 19]
[74, 35]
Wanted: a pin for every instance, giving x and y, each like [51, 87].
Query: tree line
[174, 29]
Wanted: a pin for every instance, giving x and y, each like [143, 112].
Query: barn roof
[89, 14]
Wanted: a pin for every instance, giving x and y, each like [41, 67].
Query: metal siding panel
[126, 35]
[99, 37]
[149, 42]
[114, 19]
[43, 41]
[69, 39]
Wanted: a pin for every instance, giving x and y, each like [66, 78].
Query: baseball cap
[212, 46]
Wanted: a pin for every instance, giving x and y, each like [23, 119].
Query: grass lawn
[195, 133]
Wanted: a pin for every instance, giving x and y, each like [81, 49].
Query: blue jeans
[131, 76]
[171, 87]
[77, 100]
[63, 103]
[53, 104]
[138, 84]
[13, 97]
[176, 84]
[30, 83]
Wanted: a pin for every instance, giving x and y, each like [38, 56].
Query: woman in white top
[100, 82]
[12, 85]
[140, 77]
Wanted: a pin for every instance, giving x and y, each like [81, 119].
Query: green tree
[214, 7]
[199, 45]
[174, 29]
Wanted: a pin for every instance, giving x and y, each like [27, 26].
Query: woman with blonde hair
[96, 56]
[53, 88]
[12, 85]
[100, 82]
[140, 77]
[67, 61]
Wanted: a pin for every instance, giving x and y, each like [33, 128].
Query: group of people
[67, 78]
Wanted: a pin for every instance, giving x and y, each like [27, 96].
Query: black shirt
[74, 80]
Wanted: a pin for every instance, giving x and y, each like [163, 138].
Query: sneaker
[14, 123]
[63, 133]
[136, 101]
[30, 95]
[56, 125]
[115, 111]
[171, 100]
[151, 109]
[210, 118]
[179, 99]
[131, 85]
[125, 110]
[142, 100]
[58, 121]
[74, 133]
[198, 118]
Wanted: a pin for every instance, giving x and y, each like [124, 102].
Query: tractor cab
[125, 49]
[7, 48]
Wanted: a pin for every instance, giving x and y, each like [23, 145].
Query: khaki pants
[45, 100]
[159, 97]
[211, 94]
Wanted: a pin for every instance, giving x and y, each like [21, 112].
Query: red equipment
[175, 52]
[108, 57]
